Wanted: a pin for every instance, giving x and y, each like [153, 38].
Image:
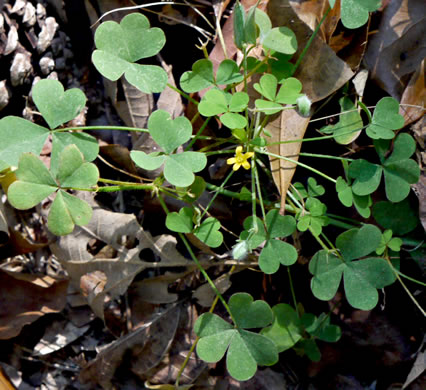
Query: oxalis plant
[364, 257]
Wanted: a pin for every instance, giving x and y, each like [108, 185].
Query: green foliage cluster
[360, 257]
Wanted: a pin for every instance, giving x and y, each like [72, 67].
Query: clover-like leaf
[356, 243]
[277, 252]
[179, 168]
[245, 349]
[33, 185]
[148, 161]
[279, 225]
[289, 91]
[73, 172]
[367, 176]
[320, 327]
[274, 253]
[119, 46]
[167, 132]
[209, 233]
[399, 171]
[386, 119]
[201, 76]
[387, 241]
[348, 198]
[249, 314]
[349, 126]
[354, 13]
[362, 278]
[288, 94]
[228, 73]
[400, 217]
[215, 102]
[280, 39]
[316, 218]
[86, 144]
[66, 211]
[17, 136]
[180, 222]
[286, 330]
[56, 105]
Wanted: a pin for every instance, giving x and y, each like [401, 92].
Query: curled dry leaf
[116, 230]
[167, 370]
[399, 46]
[312, 11]
[24, 298]
[140, 350]
[321, 73]
[414, 95]
[57, 335]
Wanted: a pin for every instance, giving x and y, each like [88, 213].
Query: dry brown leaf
[139, 351]
[321, 73]
[414, 94]
[205, 295]
[399, 46]
[289, 125]
[312, 11]
[25, 298]
[57, 335]
[166, 371]
[116, 230]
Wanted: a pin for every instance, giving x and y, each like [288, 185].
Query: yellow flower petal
[236, 167]
[246, 165]
[231, 160]
[238, 150]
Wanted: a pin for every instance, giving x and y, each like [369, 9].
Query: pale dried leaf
[205, 295]
[113, 229]
[399, 46]
[140, 350]
[418, 369]
[312, 11]
[166, 371]
[57, 335]
[359, 82]
[25, 298]
[321, 71]
[414, 95]
[289, 125]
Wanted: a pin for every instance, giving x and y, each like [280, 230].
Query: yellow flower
[240, 159]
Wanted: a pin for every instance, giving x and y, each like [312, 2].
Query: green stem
[299, 164]
[409, 278]
[325, 156]
[197, 263]
[185, 95]
[259, 191]
[293, 294]
[120, 128]
[308, 44]
[324, 137]
[405, 287]
[216, 194]
[198, 135]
